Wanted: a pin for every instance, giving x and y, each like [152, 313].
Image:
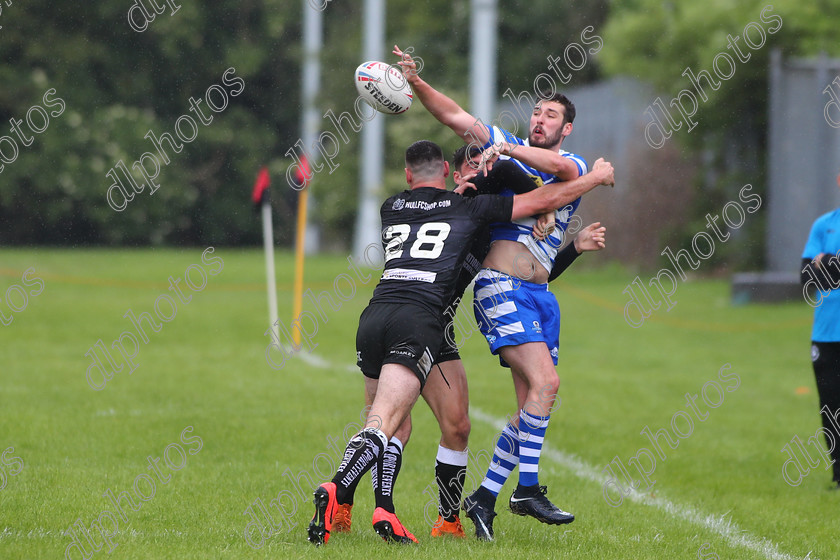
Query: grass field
[721, 489]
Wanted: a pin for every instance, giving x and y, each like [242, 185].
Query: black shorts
[448, 348]
[403, 334]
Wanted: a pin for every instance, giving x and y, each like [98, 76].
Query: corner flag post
[303, 178]
[261, 196]
[297, 307]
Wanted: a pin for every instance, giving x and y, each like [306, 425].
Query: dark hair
[569, 113]
[460, 155]
[425, 158]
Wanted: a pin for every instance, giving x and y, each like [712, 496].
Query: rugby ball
[383, 87]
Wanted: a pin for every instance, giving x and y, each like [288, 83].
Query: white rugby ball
[384, 87]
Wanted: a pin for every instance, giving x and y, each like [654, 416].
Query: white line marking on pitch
[727, 529]
[317, 361]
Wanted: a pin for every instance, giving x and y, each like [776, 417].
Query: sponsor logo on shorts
[490, 338]
[358, 356]
[403, 349]
[815, 353]
[537, 327]
[554, 352]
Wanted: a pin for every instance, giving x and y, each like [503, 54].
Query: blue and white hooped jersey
[520, 230]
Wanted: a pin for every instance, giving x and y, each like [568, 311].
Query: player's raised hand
[604, 172]
[591, 238]
[407, 63]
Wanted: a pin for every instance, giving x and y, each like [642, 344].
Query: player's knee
[457, 435]
[549, 384]
[542, 395]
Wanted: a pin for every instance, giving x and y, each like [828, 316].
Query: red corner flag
[261, 191]
[302, 175]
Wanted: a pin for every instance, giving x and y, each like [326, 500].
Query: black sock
[351, 491]
[450, 481]
[485, 497]
[361, 453]
[450, 473]
[526, 491]
[384, 474]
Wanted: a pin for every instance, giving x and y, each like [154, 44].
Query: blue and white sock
[505, 459]
[531, 437]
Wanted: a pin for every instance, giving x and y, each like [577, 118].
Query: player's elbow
[564, 168]
[557, 167]
[467, 127]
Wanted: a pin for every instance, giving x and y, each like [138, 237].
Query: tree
[117, 85]
[658, 42]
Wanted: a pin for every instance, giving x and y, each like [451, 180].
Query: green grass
[206, 369]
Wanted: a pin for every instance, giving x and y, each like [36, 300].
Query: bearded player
[514, 308]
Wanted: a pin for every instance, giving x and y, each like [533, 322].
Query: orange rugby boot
[389, 527]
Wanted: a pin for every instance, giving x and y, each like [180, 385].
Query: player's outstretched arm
[591, 238]
[557, 195]
[541, 159]
[443, 108]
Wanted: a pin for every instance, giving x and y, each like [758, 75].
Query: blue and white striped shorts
[510, 311]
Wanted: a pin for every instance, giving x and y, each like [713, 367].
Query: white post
[372, 154]
[483, 30]
[270, 279]
[311, 120]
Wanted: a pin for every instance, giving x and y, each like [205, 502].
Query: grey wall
[803, 158]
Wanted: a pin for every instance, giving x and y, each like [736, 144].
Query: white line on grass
[734, 535]
[40, 533]
[317, 361]
[727, 529]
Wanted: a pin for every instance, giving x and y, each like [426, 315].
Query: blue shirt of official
[825, 238]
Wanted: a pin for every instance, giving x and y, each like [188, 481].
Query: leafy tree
[655, 41]
[118, 83]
